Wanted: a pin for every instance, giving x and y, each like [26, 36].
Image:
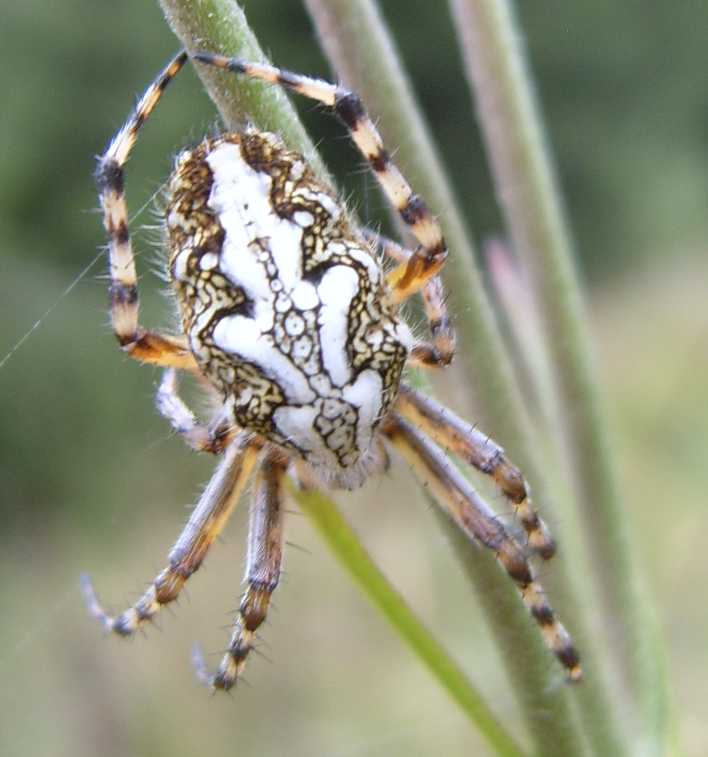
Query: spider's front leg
[205, 524]
[264, 558]
[440, 352]
[469, 511]
[140, 344]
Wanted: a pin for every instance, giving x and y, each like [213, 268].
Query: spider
[289, 318]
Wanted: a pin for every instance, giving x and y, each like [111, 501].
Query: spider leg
[477, 449]
[468, 510]
[265, 552]
[214, 437]
[442, 349]
[303, 475]
[425, 262]
[205, 524]
[140, 344]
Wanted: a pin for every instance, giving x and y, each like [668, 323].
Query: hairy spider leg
[213, 438]
[140, 344]
[468, 510]
[483, 453]
[206, 522]
[409, 277]
[263, 561]
[442, 349]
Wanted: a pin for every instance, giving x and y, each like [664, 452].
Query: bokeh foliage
[84, 459]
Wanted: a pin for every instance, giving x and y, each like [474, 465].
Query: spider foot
[124, 624]
[251, 615]
[228, 673]
[163, 590]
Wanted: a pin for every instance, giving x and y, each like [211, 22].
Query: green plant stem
[220, 26]
[528, 194]
[348, 550]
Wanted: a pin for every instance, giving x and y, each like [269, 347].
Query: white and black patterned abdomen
[283, 306]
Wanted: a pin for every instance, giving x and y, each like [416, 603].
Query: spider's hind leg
[263, 562]
[477, 449]
[205, 524]
[467, 509]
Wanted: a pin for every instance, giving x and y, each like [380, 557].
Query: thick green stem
[528, 194]
[220, 26]
[549, 718]
[353, 557]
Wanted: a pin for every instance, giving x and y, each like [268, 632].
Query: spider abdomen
[283, 305]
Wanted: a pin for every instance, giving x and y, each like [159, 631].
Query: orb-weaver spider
[289, 318]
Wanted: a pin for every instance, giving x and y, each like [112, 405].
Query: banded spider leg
[145, 346]
[204, 525]
[467, 509]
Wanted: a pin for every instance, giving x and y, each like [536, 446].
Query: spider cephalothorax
[289, 319]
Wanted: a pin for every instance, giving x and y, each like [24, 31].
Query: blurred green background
[92, 479]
